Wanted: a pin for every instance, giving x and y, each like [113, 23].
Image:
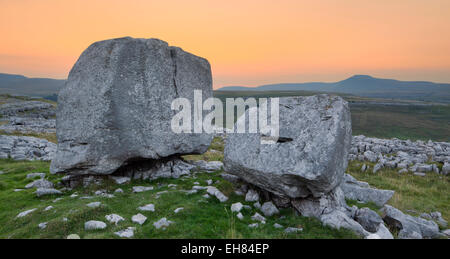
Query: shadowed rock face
[116, 105]
[310, 159]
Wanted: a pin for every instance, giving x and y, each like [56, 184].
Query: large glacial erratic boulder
[313, 160]
[115, 109]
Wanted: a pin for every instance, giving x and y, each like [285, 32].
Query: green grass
[201, 217]
[412, 193]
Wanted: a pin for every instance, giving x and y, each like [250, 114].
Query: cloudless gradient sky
[248, 42]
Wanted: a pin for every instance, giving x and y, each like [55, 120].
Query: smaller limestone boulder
[269, 209]
[368, 219]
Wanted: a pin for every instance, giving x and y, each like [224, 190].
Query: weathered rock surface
[26, 148]
[162, 223]
[29, 125]
[114, 218]
[217, 193]
[94, 225]
[148, 207]
[338, 219]
[47, 191]
[409, 227]
[361, 191]
[310, 156]
[17, 107]
[25, 213]
[211, 166]
[126, 233]
[115, 109]
[269, 209]
[368, 219]
[139, 219]
[41, 183]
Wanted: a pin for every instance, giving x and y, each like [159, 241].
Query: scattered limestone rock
[162, 223]
[94, 225]
[259, 217]
[269, 209]
[236, 207]
[257, 205]
[253, 225]
[48, 208]
[209, 167]
[383, 232]
[293, 230]
[240, 216]
[276, 225]
[230, 178]
[94, 204]
[361, 191]
[73, 236]
[121, 180]
[137, 189]
[41, 183]
[409, 227]
[126, 233]
[118, 190]
[368, 219]
[446, 232]
[338, 219]
[42, 225]
[139, 219]
[148, 207]
[114, 218]
[218, 194]
[251, 196]
[177, 210]
[46, 191]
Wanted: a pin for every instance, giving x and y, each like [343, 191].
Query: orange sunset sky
[248, 42]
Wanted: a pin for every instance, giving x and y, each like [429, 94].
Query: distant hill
[366, 86]
[22, 85]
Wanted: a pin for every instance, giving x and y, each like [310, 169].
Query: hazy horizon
[248, 43]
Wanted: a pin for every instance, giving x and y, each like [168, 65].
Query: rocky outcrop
[19, 116]
[40, 109]
[309, 158]
[402, 155]
[115, 110]
[29, 125]
[26, 148]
